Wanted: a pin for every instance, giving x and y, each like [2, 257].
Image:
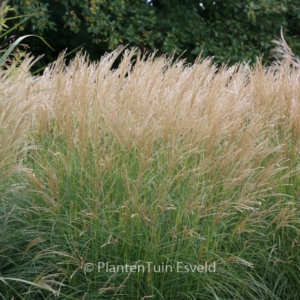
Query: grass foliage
[154, 161]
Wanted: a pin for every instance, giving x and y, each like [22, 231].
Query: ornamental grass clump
[159, 165]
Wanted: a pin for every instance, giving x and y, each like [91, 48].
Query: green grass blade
[13, 28]
[15, 44]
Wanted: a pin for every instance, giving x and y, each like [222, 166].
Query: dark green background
[228, 30]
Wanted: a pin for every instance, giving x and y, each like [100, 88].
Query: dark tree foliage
[229, 30]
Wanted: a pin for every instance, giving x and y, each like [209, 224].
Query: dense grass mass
[153, 162]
